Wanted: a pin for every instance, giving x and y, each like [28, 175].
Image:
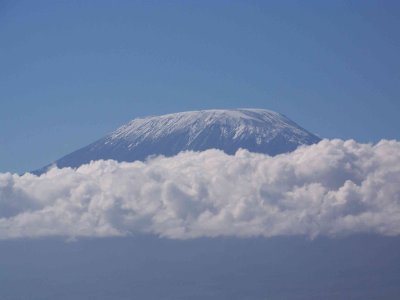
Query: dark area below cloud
[146, 267]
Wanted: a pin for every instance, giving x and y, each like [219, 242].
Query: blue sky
[72, 71]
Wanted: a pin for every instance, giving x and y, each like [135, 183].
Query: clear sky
[72, 71]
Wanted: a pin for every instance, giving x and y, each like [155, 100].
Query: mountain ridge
[257, 130]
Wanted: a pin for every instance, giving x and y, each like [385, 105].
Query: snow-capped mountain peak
[258, 130]
[235, 123]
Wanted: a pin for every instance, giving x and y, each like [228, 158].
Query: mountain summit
[258, 130]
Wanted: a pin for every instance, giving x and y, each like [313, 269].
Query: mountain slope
[257, 130]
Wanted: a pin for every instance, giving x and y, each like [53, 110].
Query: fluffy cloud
[332, 188]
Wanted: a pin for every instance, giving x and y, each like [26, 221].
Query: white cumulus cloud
[332, 188]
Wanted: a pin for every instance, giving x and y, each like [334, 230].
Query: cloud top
[331, 188]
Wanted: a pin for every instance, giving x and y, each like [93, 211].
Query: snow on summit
[240, 122]
[257, 130]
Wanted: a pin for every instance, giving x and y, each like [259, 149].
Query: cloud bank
[331, 188]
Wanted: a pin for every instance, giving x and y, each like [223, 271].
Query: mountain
[258, 130]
